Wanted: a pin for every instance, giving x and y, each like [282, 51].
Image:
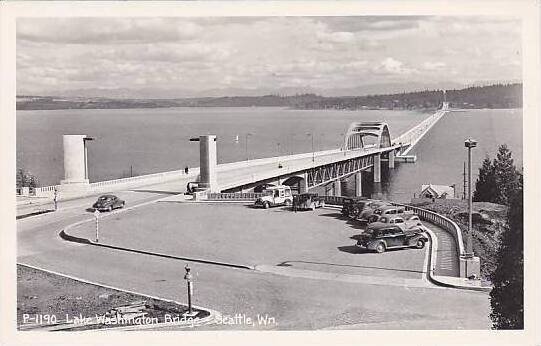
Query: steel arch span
[354, 138]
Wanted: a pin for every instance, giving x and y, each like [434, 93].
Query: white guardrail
[426, 215]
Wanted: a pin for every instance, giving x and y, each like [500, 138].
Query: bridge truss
[322, 175]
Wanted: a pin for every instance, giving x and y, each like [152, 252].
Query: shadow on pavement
[160, 192]
[351, 222]
[292, 264]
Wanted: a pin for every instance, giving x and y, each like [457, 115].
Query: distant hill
[491, 96]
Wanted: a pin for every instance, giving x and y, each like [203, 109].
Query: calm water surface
[156, 140]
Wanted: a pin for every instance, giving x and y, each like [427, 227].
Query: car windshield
[383, 219]
[104, 198]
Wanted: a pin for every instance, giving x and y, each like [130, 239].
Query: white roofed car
[406, 222]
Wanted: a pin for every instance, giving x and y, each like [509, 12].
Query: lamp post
[469, 143]
[188, 277]
[246, 144]
[313, 152]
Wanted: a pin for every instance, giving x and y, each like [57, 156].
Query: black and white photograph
[346, 173]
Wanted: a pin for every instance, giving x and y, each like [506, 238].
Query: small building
[437, 191]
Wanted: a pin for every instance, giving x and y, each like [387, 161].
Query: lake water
[156, 140]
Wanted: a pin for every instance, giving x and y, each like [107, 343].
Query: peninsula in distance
[488, 96]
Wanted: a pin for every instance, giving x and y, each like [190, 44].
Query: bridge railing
[334, 200]
[233, 196]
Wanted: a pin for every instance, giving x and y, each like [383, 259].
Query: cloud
[393, 66]
[434, 65]
[105, 30]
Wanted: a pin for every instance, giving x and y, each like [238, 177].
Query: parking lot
[320, 240]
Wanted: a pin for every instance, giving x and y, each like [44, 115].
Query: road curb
[212, 317]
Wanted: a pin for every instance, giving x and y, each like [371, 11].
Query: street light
[313, 152]
[246, 144]
[469, 143]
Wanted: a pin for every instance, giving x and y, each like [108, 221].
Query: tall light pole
[313, 152]
[246, 144]
[469, 143]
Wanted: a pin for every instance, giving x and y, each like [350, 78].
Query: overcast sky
[195, 55]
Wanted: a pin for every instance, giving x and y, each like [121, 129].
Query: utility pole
[464, 175]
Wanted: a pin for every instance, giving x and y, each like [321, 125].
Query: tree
[507, 176]
[25, 179]
[507, 296]
[486, 189]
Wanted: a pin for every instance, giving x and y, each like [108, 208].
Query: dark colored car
[108, 202]
[390, 237]
[352, 206]
[308, 201]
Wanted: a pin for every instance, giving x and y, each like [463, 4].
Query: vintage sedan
[309, 201]
[108, 202]
[352, 206]
[390, 237]
[404, 221]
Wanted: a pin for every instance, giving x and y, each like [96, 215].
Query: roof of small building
[439, 190]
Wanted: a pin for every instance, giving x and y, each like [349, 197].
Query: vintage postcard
[260, 172]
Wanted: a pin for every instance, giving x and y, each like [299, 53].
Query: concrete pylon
[377, 168]
[75, 165]
[337, 188]
[208, 163]
[391, 159]
[359, 184]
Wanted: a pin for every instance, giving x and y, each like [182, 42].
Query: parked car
[308, 201]
[274, 196]
[369, 209]
[353, 206]
[108, 202]
[405, 222]
[385, 237]
[387, 210]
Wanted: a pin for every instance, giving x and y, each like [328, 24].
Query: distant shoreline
[498, 96]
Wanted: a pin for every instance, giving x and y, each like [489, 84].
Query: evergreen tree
[486, 189]
[507, 296]
[506, 174]
[25, 179]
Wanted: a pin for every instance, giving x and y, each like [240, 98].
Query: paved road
[295, 303]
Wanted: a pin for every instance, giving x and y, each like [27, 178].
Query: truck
[275, 196]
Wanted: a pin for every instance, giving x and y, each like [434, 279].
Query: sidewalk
[446, 255]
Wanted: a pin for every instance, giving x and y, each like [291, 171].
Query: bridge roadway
[231, 176]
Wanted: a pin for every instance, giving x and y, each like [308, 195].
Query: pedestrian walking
[186, 170]
[295, 202]
[55, 199]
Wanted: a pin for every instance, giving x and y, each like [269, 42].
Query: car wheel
[266, 205]
[110, 208]
[420, 244]
[380, 248]
[287, 202]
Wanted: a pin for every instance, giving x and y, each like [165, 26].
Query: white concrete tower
[208, 163]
